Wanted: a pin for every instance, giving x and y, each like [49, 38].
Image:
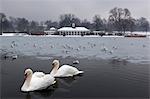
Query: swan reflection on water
[68, 81]
[61, 85]
[43, 93]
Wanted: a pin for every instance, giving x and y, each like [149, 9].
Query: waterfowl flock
[70, 47]
[44, 80]
[63, 49]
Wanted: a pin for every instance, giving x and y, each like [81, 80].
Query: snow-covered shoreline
[26, 35]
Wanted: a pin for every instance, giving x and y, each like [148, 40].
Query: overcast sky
[41, 10]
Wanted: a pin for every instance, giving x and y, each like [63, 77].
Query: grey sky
[41, 10]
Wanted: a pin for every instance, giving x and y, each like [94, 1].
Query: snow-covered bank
[59, 35]
[14, 34]
[140, 33]
[24, 34]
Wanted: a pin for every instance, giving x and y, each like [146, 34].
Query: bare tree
[33, 26]
[5, 24]
[86, 24]
[68, 19]
[50, 24]
[98, 23]
[131, 24]
[22, 25]
[120, 18]
[143, 24]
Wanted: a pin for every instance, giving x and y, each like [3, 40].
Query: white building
[51, 31]
[73, 31]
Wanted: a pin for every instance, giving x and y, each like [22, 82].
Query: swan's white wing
[38, 74]
[66, 70]
[41, 83]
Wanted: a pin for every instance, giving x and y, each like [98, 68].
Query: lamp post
[1, 24]
[2, 20]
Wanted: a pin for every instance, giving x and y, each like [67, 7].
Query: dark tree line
[119, 20]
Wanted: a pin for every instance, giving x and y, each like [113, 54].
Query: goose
[36, 81]
[63, 71]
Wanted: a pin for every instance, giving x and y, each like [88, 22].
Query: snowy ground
[141, 33]
[128, 49]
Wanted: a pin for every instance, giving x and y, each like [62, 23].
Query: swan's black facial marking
[54, 63]
[25, 76]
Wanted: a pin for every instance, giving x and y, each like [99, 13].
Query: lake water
[114, 67]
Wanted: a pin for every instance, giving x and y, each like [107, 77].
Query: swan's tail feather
[80, 72]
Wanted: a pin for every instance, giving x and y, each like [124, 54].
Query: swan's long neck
[27, 81]
[54, 70]
[28, 77]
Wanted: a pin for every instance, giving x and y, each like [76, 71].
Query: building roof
[73, 29]
[52, 29]
[14, 34]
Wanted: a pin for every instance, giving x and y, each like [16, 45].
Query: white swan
[36, 81]
[63, 71]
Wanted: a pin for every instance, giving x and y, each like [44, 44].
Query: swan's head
[55, 63]
[27, 73]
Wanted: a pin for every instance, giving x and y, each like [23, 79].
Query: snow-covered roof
[14, 34]
[73, 29]
[8, 34]
[52, 29]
